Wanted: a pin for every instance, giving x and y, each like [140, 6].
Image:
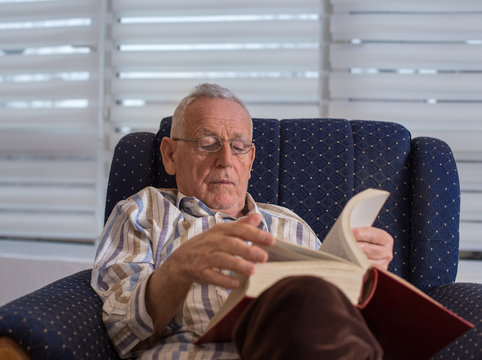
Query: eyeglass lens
[213, 143]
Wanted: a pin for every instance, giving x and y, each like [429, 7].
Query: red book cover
[407, 323]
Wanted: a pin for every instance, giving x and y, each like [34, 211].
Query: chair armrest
[435, 214]
[465, 300]
[62, 320]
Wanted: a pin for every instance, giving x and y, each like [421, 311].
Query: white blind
[50, 137]
[267, 51]
[62, 62]
[418, 63]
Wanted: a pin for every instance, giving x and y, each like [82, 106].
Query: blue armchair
[312, 166]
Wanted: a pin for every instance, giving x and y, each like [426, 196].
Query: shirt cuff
[138, 320]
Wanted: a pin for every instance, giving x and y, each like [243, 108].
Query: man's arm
[119, 276]
[200, 260]
[139, 300]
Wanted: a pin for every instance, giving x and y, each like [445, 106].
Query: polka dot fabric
[323, 162]
[435, 198]
[382, 160]
[465, 299]
[134, 166]
[60, 321]
[316, 174]
[264, 182]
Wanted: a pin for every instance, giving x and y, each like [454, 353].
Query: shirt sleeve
[289, 226]
[122, 267]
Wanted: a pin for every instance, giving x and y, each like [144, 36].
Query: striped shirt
[139, 235]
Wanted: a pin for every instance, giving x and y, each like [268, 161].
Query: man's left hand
[377, 245]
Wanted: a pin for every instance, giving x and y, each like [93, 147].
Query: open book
[407, 323]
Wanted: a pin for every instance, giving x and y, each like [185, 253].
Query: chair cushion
[134, 166]
[464, 299]
[316, 178]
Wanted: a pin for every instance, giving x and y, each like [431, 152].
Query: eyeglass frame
[221, 141]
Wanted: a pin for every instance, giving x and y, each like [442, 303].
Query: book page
[347, 277]
[284, 250]
[360, 211]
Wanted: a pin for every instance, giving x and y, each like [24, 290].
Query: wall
[25, 266]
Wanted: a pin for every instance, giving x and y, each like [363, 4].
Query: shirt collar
[197, 208]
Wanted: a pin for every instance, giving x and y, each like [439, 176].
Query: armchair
[312, 166]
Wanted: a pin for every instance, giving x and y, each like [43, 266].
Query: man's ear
[253, 154]
[168, 147]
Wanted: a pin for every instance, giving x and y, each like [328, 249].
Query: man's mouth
[221, 182]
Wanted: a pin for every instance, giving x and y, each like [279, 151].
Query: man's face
[218, 179]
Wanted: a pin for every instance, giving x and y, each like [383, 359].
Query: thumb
[252, 219]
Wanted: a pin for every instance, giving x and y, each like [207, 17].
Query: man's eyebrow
[206, 132]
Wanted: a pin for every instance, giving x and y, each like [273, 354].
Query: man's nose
[224, 155]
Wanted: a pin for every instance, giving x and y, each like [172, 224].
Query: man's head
[220, 178]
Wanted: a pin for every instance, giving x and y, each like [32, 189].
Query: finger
[225, 261]
[246, 232]
[380, 264]
[380, 256]
[372, 235]
[254, 220]
[235, 246]
[217, 278]
[373, 251]
[203, 268]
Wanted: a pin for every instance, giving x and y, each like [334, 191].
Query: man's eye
[212, 147]
[209, 144]
[240, 145]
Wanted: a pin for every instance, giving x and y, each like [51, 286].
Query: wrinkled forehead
[211, 116]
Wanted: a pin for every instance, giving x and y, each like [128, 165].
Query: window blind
[72, 72]
[268, 52]
[416, 63]
[50, 133]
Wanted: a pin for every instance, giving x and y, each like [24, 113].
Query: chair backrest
[313, 166]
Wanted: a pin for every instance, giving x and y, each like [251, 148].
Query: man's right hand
[222, 247]
[201, 260]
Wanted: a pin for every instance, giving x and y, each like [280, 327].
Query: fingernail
[249, 269]
[261, 256]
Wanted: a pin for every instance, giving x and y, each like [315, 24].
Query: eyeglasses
[213, 143]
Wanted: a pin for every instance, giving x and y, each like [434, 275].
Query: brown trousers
[304, 318]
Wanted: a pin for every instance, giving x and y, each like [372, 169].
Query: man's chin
[229, 207]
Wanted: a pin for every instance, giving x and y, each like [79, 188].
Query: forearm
[120, 273]
[165, 294]
[124, 312]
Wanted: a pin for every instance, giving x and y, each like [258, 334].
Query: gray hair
[205, 90]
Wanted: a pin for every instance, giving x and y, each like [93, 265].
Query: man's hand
[222, 247]
[377, 245]
[201, 259]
